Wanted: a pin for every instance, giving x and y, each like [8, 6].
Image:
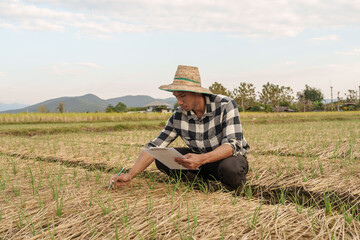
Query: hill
[139, 100]
[90, 103]
[4, 106]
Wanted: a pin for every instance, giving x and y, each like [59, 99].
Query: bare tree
[42, 109]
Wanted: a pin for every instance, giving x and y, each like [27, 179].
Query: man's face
[186, 100]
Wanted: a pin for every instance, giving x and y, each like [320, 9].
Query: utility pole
[338, 107]
[332, 104]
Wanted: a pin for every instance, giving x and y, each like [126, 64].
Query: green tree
[270, 94]
[245, 95]
[120, 107]
[136, 109]
[110, 108]
[318, 105]
[60, 108]
[286, 96]
[275, 95]
[309, 96]
[351, 96]
[218, 88]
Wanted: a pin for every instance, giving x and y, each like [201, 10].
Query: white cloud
[251, 18]
[66, 69]
[88, 64]
[8, 26]
[325, 38]
[353, 52]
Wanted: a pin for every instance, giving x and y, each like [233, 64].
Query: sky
[113, 48]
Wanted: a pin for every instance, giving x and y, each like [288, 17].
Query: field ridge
[270, 195]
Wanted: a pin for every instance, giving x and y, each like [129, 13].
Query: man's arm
[193, 161]
[143, 161]
[232, 130]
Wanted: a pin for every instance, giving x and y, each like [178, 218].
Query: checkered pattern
[219, 125]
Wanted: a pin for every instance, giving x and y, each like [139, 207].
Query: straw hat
[186, 79]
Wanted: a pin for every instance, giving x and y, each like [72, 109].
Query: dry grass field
[304, 181]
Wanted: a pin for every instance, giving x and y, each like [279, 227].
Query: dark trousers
[231, 171]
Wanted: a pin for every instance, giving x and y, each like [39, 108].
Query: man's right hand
[143, 161]
[121, 180]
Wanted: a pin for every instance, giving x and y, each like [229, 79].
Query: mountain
[139, 100]
[4, 106]
[90, 103]
[86, 103]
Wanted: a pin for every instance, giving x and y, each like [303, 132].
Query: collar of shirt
[209, 110]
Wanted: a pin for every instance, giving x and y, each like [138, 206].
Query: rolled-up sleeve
[232, 130]
[166, 136]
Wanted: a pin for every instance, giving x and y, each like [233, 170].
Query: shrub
[257, 108]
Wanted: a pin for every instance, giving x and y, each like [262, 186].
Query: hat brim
[182, 88]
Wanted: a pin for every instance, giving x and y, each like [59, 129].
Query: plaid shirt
[219, 125]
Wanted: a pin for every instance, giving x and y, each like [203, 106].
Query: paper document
[166, 156]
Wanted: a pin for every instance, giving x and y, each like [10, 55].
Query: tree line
[274, 98]
[271, 98]
[121, 107]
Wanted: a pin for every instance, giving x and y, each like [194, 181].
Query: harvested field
[304, 182]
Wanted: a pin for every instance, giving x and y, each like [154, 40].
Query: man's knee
[233, 170]
[162, 167]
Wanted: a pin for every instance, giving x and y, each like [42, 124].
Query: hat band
[186, 79]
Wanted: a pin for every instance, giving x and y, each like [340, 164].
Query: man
[209, 125]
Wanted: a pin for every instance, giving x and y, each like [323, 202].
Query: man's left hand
[191, 161]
